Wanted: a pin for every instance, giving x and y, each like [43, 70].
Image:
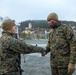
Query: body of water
[40, 42]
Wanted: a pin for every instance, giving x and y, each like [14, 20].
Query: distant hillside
[42, 24]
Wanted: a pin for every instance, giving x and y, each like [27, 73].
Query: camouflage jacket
[62, 44]
[10, 47]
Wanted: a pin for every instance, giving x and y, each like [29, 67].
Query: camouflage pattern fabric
[59, 71]
[19, 58]
[62, 46]
[10, 47]
[12, 73]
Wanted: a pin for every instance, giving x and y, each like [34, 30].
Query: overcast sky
[21, 10]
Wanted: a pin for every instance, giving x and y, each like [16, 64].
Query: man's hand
[71, 68]
[47, 49]
[43, 53]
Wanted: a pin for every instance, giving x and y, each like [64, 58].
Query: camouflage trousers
[59, 71]
[12, 73]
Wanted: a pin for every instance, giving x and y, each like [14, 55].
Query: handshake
[44, 51]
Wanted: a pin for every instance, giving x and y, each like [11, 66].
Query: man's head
[8, 25]
[52, 19]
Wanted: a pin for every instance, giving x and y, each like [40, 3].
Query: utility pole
[17, 31]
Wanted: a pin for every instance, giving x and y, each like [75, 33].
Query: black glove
[42, 51]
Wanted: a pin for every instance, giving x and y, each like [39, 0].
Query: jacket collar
[58, 25]
[7, 33]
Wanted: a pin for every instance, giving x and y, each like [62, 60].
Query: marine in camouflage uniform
[62, 45]
[10, 47]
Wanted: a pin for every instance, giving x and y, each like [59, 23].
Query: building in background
[30, 26]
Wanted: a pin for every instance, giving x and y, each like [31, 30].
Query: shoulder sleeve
[68, 32]
[72, 42]
[21, 47]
